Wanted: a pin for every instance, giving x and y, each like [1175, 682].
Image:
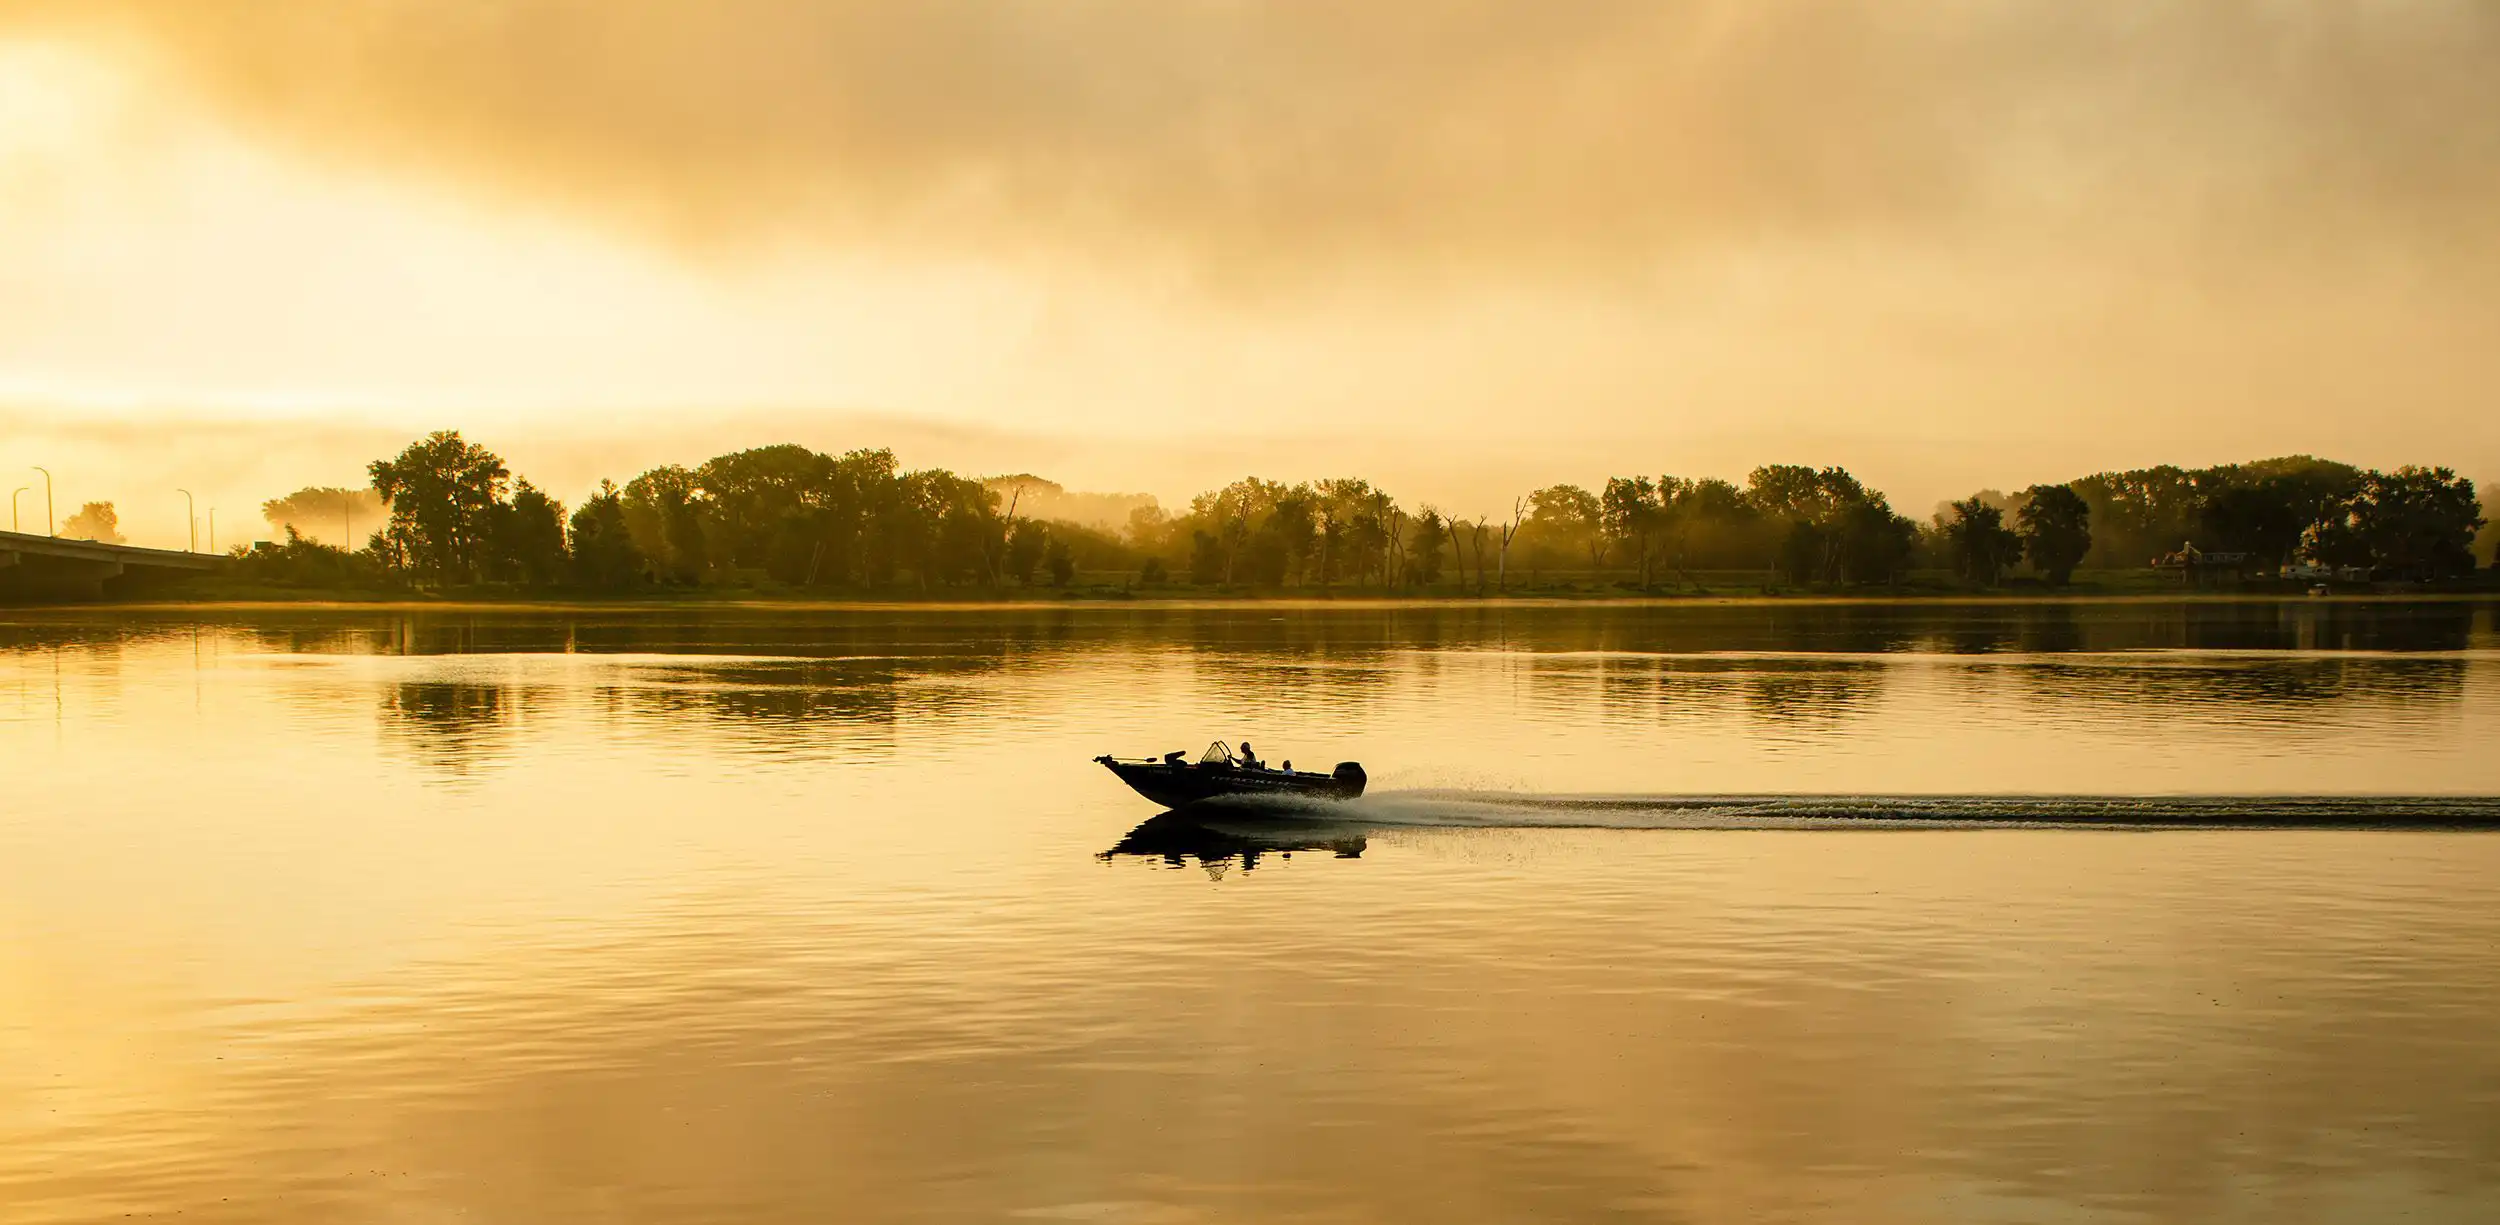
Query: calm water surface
[824, 916]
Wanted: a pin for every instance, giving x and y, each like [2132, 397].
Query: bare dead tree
[1475, 543]
[994, 552]
[1510, 532]
[1393, 558]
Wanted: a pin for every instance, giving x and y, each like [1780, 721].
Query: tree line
[446, 512]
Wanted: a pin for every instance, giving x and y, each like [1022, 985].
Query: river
[1871, 913]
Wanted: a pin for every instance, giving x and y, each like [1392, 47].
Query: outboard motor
[1350, 778]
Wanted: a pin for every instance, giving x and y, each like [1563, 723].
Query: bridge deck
[27, 543]
[49, 567]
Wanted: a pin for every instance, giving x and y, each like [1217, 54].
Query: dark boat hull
[1180, 784]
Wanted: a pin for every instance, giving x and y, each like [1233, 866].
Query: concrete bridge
[51, 568]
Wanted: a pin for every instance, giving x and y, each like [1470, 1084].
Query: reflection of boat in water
[1214, 837]
[1175, 783]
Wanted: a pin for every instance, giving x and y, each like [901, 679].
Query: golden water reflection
[679, 918]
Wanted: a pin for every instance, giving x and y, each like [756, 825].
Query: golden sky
[1465, 248]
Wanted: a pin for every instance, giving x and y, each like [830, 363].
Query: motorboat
[1174, 782]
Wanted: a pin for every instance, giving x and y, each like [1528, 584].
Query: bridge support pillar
[57, 578]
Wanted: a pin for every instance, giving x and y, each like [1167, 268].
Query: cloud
[1463, 247]
[1287, 143]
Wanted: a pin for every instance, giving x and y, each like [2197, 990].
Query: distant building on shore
[2197, 566]
[2312, 572]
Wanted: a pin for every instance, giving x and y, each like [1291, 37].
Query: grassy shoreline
[750, 602]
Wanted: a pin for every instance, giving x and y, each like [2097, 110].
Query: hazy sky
[1461, 247]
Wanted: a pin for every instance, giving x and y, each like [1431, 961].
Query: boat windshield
[1217, 754]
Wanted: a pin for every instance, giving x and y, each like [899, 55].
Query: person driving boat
[1249, 760]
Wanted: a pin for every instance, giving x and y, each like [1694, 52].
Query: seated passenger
[1250, 760]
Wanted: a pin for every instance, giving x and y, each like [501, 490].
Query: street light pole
[212, 529]
[191, 515]
[48, 528]
[13, 506]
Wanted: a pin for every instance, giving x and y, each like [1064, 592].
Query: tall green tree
[1561, 528]
[1208, 561]
[1709, 524]
[1631, 517]
[1828, 526]
[2309, 487]
[946, 529]
[1874, 544]
[1805, 552]
[1027, 542]
[1982, 547]
[2253, 518]
[1253, 530]
[96, 521]
[604, 557]
[1290, 537]
[2414, 523]
[2142, 513]
[2055, 524]
[1355, 525]
[2421, 521]
[444, 493]
[1797, 492]
[328, 513]
[663, 511]
[800, 516]
[859, 539]
[1430, 535]
[770, 509]
[2262, 507]
[529, 537]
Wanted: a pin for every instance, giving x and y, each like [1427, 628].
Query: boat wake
[1504, 810]
[1246, 828]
